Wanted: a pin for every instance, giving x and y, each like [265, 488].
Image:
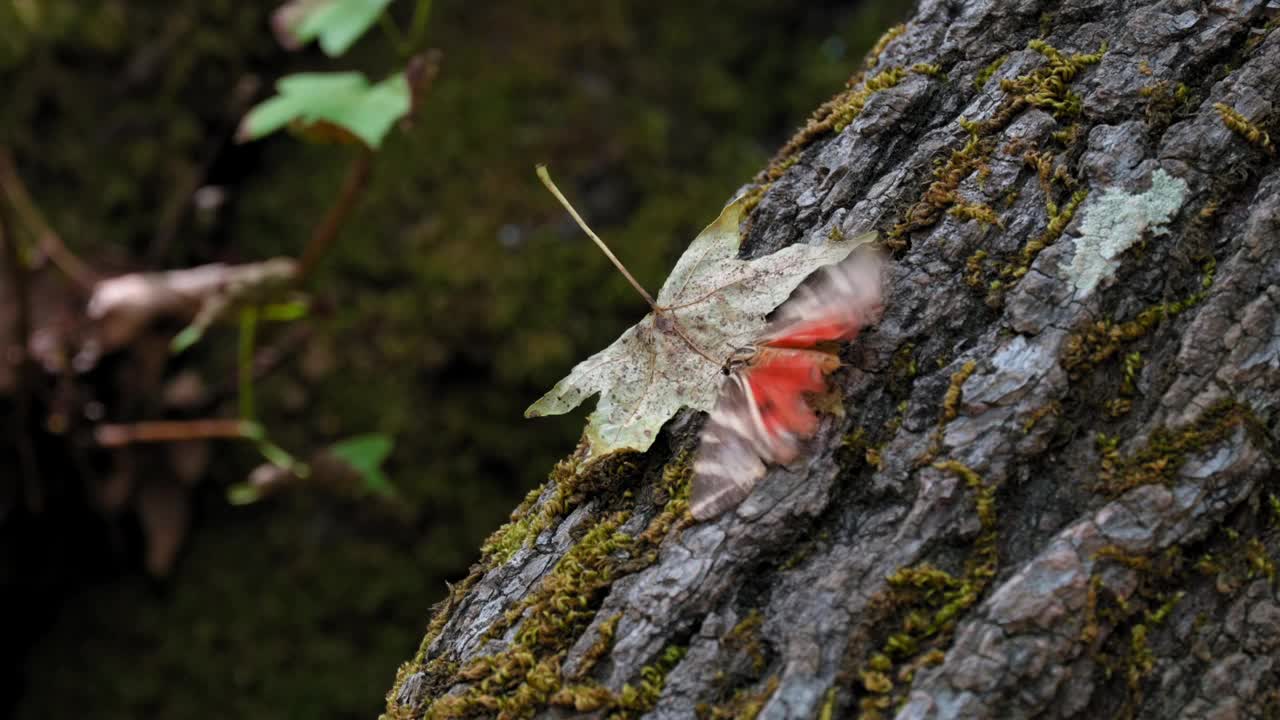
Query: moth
[762, 415]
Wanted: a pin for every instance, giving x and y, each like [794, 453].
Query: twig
[418, 25]
[545, 177]
[22, 330]
[248, 328]
[50, 243]
[327, 231]
[159, 431]
[422, 71]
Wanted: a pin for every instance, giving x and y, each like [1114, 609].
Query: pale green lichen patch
[1115, 222]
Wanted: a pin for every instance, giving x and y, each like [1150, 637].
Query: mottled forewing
[834, 304]
[727, 465]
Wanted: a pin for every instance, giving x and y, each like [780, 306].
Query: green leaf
[337, 24]
[715, 303]
[189, 336]
[365, 454]
[243, 493]
[286, 311]
[345, 99]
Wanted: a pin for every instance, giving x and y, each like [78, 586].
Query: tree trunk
[1053, 491]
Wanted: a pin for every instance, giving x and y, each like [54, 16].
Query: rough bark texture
[1044, 498]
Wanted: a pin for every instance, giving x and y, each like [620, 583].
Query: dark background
[457, 294]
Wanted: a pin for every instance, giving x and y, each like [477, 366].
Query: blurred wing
[837, 302]
[728, 462]
[761, 416]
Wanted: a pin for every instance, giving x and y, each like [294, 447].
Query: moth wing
[728, 462]
[778, 381]
[834, 305]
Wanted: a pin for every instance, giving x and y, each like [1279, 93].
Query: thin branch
[326, 232]
[50, 242]
[160, 431]
[388, 25]
[418, 25]
[19, 277]
[545, 177]
[248, 328]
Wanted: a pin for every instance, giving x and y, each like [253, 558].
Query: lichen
[1115, 222]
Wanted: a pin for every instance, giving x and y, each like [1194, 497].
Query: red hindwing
[763, 414]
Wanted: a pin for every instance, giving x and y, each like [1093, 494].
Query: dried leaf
[713, 304]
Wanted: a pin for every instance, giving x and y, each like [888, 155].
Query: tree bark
[1053, 489]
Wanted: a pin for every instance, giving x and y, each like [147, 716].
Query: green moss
[527, 675]
[828, 709]
[600, 648]
[745, 638]
[980, 212]
[1164, 99]
[745, 704]
[1163, 455]
[630, 702]
[572, 480]
[1243, 127]
[984, 75]
[835, 114]
[1099, 341]
[851, 107]
[928, 602]
[941, 193]
[1047, 88]
[929, 70]
[1044, 87]
[951, 401]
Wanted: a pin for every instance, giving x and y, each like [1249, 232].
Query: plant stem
[545, 177]
[172, 431]
[248, 327]
[19, 277]
[418, 26]
[327, 231]
[388, 25]
[49, 242]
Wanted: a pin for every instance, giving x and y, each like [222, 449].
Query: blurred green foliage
[459, 292]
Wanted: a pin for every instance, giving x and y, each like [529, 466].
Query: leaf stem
[164, 431]
[388, 25]
[326, 232]
[418, 25]
[48, 241]
[248, 328]
[545, 177]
